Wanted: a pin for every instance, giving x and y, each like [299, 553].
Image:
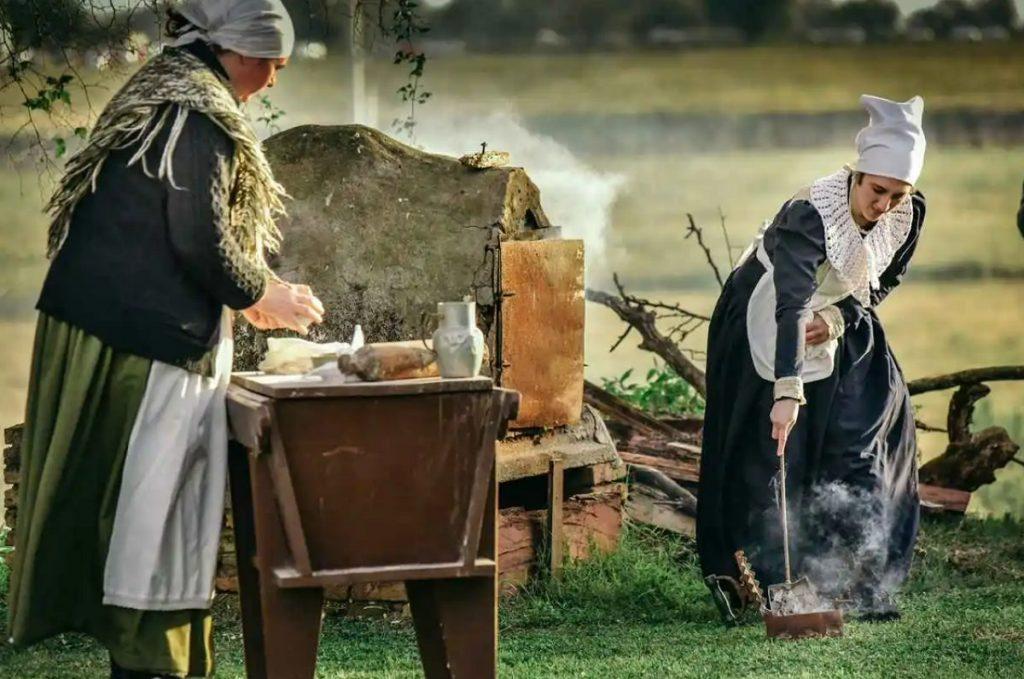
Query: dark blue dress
[851, 457]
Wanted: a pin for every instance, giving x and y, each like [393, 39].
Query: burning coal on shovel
[795, 610]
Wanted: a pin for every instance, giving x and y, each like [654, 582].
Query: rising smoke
[845, 541]
[574, 195]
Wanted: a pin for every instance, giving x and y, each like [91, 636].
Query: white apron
[166, 535]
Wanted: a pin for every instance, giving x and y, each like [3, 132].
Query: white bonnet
[893, 143]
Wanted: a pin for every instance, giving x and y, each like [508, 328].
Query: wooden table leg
[291, 630]
[245, 553]
[281, 627]
[456, 626]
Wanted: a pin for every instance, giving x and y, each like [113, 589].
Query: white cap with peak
[893, 144]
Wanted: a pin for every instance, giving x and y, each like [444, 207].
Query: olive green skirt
[82, 402]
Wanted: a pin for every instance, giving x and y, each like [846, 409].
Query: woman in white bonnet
[159, 230]
[796, 351]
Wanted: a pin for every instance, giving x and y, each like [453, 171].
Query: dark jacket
[795, 243]
[141, 268]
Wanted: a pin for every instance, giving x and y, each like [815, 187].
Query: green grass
[643, 612]
[735, 81]
[794, 78]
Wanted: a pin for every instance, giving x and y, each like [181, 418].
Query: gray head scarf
[253, 28]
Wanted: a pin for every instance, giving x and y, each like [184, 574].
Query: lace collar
[858, 259]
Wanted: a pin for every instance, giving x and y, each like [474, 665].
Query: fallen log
[970, 460]
[678, 470]
[648, 476]
[966, 377]
[969, 465]
[938, 499]
[612, 406]
[656, 500]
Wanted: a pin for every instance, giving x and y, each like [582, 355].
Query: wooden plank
[479, 541]
[248, 417]
[289, 577]
[542, 324]
[292, 386]
[528, 456]
[284, 490]
[618, 409]
[676, 469]
[244, 529]
[946, 499]
[648, 506]
[556, 486]
[686, 448]
[591, 523]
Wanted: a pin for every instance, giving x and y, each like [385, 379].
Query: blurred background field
[961, 307]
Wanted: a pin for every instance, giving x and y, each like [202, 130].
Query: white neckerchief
[858, 259]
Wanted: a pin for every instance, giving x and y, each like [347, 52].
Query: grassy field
[972, 197]
[731, 81]
[747, 80]
[643, 612]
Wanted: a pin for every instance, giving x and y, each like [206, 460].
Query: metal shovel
[796, 610]
[790, 597]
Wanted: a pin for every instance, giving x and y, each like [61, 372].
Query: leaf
[81, 132]
[61, 146]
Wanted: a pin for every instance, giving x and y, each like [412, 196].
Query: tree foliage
[946, 15]
[49, 48]
[755, 18]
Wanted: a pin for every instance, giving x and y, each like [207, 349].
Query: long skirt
[851, 464]
[83, 405]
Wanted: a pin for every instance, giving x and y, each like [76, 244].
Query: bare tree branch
[966, 377]
[636, 314]
[629, 328]
[725, 234]
[695, 230]
[924, 426]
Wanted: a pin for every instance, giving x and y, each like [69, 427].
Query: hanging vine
[43, 44]
[406, 26]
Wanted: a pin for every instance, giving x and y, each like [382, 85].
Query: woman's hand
[284, 305]
[783, 416]
[816, 331]
[258, 319]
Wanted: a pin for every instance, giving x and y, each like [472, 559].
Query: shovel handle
[782, 503]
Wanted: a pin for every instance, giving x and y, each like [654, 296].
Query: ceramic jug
[459, 344]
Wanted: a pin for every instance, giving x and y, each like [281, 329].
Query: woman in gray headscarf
[159, 229]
